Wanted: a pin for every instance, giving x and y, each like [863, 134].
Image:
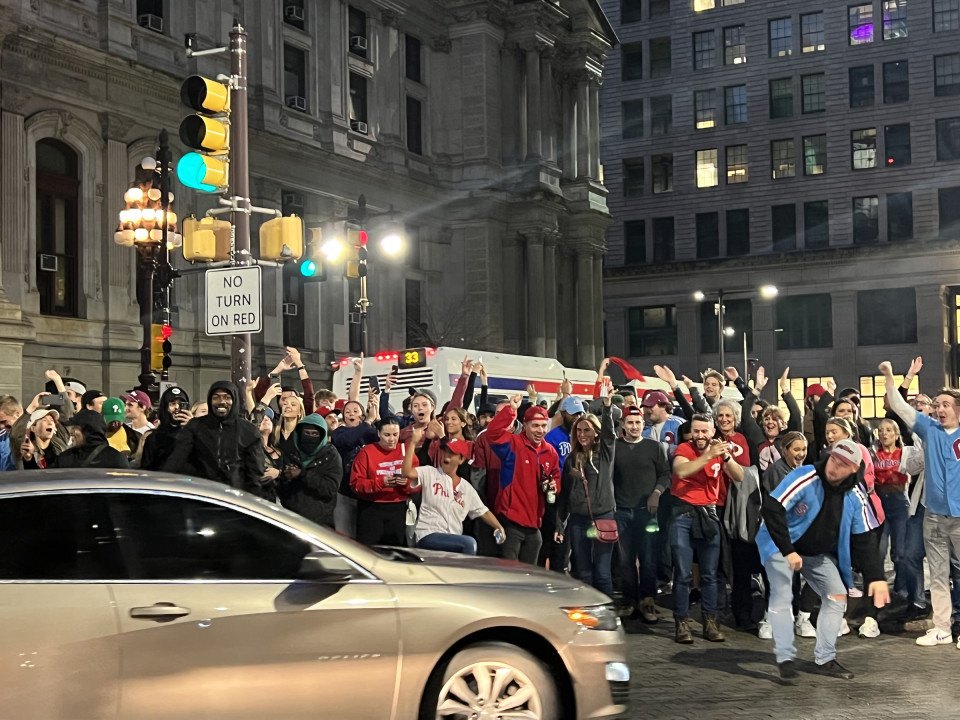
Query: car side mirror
[324, 566]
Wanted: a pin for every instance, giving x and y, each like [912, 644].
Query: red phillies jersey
[703, 488]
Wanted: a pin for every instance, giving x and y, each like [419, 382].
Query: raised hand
[886, 368]
[532, 391]
[435, 429]
[761, 381]
[785, 381]
[830, 386]
[416, 435]
[916, 366]
[516, 401]
[732, 373]
[466, 366]
[483, 374]
[566, 387]
[358, 364]
[688, 382]
[665, 374]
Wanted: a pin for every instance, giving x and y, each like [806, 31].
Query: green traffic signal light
[308, 268]
[201, 172]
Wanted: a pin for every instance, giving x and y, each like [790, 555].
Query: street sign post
[234, 300]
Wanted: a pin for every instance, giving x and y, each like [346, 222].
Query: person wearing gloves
[446, 498]
[89, 448]
[816, 522]
[310, 479]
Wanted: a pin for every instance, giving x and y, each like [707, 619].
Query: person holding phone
[381, 489]
[174, 410]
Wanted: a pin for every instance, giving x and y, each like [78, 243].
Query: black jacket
[227, 450]
[160, 443]
[95, 451]
[314, 493]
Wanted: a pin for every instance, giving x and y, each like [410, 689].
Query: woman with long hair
[291, 413]
[456, 426]
[273, 458]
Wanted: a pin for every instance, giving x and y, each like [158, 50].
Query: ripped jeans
[821, 574]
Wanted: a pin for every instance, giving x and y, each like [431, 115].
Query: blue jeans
[591, 558]
[911, 558]
[896, 506]
[639, 553]
[449, 543]
[683, 544]
[821, 574]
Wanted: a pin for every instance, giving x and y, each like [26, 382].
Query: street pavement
[738, 679]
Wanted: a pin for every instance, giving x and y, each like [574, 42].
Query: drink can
[551, 497]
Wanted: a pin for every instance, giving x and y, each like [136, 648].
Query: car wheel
[495, 680]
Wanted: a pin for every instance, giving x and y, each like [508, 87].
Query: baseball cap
[488, 409]
[456, 446]
[113, 410]
[139, 397]
[655, 397]
[535, 412]
[89, 396]
[43, 412]
[571, 405]
[848, 451]
[815, 389]
[631, 410]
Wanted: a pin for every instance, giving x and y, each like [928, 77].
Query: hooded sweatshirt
[226, 449]
[160, 443]
[95, 451]
[313, 493]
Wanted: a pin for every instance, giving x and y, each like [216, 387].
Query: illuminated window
[701, 5]
[860, 23]
[707, 168]
[863, 146]
[734, 45]
[873, 388]
[894, 19]
[798, 388]
[737, 164]
[811, 33]
[705, 109]
[814, 154]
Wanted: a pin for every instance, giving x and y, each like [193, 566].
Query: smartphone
[52, 400]
[183, 406]
[375, 383]
[394, 369]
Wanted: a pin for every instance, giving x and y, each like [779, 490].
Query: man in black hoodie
[174, 410]
[221, 446]
[90, 447]
[310, 479]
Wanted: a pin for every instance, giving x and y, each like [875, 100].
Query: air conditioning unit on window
[151, 22]
[359, 126]
[48, 263]
[297, 102]
[294, 199]
[291, 309]
[293, 12]
[358, 43]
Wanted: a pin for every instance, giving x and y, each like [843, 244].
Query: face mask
[309, 444]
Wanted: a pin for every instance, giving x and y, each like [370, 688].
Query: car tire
[486, 673]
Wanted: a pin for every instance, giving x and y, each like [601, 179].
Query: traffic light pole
[241, 346]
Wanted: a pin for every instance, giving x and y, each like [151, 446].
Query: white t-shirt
[441, 509]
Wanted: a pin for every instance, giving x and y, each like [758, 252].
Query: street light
[767, 292]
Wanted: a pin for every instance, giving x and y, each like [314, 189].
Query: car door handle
[159, 611]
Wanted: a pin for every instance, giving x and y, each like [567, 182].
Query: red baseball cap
[535, 412]
[457, 447]
[815, 389]
[632, 410]
[655, 397]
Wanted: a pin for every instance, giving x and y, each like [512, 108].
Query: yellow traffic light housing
[208, 132]
[206, 239]
[281, 239]
[156, 346]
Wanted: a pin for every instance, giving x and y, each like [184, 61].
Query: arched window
[58, 190]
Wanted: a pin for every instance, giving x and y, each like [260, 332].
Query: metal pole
[720, 329]
[746, 360]
[240, 348]
[162, 298]
[363, 304]
[145, 265]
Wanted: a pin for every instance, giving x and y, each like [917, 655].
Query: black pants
[745, 559]
[381, 523]
[523, 543]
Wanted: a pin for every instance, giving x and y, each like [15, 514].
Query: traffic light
[281, 239]
[207, 132]
[311, 266]
[206, 239]
[357, 247]
[160, 346]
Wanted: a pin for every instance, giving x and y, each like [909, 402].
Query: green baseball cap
[114, 410]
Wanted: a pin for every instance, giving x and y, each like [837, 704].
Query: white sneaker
[935, 637]
[855, 592]
[803, 627]
[765, 632]
[844, 628]
[869, 629]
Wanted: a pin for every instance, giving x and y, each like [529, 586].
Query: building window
[635, 242]
[783, 159]
[414, 126]
[781, 98]
[659, 8]
[701, 5]
[661, 167]
[737, 314]
[357, 31]
[866, 225]
[946, 15]
[660, 57]
[413, 58]
[894, 19]
[814, 93]
[663, 239]
[816, 229]
[150, 14]
[631, 58]
[704, 50]
[705, 109]
[293, 13]
[661, 115]
[811, 33]
[896, 82]
[946, 74]
[295, 78]
[358, 101]
[814, 154]
[632, 111]
[781, 37]
[948, 139]
[735, 104]
[413, 305]
[708, 235]
[783, 222]
[653, 331]
[707, 168]
[734, 45]
[58, 231]
[899, 217]
[860, 23]
[896, 143]
[633, 177]
[807, 322]
[873, 391]
[887, 317]
[738, 232]
[948, 200]
[861, 86]
[738, 162]
[630, 11]
[863, 146]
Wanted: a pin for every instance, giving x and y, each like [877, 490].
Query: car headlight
[594, 617]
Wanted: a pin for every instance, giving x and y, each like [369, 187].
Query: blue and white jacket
[801, 494]
[669, 434]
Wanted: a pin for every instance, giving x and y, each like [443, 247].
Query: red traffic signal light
[362, 238]
[166, 331]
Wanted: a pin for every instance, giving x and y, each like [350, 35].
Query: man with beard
[174, 410]
[221, 446]
[89, 446]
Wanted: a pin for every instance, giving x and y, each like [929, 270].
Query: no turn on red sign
[234, 300]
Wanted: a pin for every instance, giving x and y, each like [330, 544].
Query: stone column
[547, 108]
[534, 130]
[585, 315]
[598, 340]
[568, 158]
[933, 316]
[536, 299]
[550, 292]
[594, 129]
[583, 128]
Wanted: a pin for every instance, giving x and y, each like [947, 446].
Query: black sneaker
[788, 671]
[834, 669]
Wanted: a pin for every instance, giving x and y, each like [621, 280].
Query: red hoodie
[374, 463]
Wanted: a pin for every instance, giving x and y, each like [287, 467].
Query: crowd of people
[720, 499]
